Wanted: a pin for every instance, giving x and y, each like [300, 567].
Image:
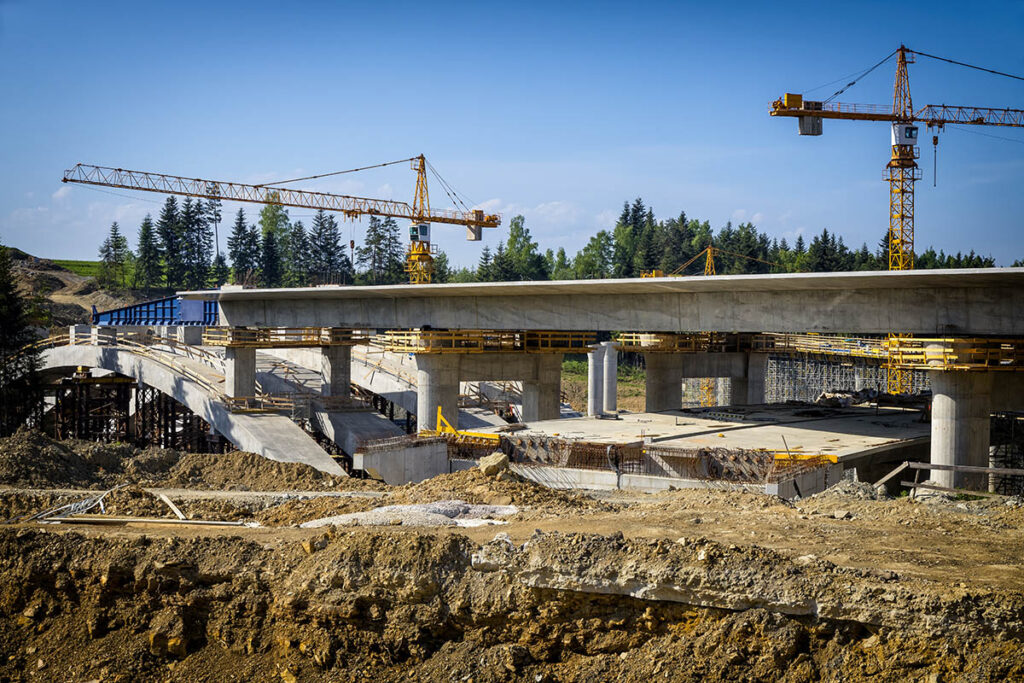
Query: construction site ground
[683, 585]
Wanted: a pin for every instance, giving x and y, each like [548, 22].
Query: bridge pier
[611, 377]
[239, 371]
[542, 397]
[664, 382]
[336, 370]
[437, 379]
[595, 380]
[961, 408]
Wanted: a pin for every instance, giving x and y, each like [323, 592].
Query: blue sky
[558, 111]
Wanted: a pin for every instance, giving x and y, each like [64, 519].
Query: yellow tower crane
[902, 170]
[419, 259]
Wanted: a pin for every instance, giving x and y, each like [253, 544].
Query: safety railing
[483, 341]
[283, 337]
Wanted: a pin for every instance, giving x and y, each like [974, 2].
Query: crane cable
[325, 175]
[969, 66]
[865, 73]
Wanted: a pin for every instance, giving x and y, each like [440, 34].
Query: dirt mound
[435, 606]
[132, 501]
[847, 488]
[473, 486]
[29, 459]
[248, 471]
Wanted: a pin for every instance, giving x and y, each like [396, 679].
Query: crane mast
[419, 259]
[902, 170]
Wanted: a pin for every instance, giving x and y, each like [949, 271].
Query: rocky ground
[685, 585]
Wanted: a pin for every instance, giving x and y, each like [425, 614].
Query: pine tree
[20, 398]
[197, 241]
[298, 257]
[270, 260]
[219, 272]
[212, 213]
[442, 270]
[503, 268]
[485, 267]
[147, 263]
[243, 250]
[168, 230]
[382, 253]
[328, 262]
[113, 258]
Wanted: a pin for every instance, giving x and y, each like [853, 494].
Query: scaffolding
[1007, 451]
[803, 378]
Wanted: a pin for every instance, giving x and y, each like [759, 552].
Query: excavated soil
[399, 606]
[31, 460]
[690, 585]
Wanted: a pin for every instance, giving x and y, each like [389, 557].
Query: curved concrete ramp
[272, 436]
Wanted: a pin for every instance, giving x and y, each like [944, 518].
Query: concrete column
[664, 382]
[542, 398]
[239, 371]
[80, 334]
[595, 380]
[102, 335]
[611, 378]
[961, 405]
[190, 334]
[437, 378]
[757, 378]
[336, 370]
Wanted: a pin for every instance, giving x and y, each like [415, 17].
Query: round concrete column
[611, 377]
[595, 380]
[961, 405]
[437, 378]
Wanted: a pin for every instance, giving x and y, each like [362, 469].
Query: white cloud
[62, 192]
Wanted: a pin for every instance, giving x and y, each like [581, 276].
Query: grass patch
[83, 268]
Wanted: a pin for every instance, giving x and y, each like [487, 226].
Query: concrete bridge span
[270, 435]
[964, 302]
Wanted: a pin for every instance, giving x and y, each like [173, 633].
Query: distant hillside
[59, 294]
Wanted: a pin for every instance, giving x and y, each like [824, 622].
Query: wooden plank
[174, 508]
[101, 519]
[892, 474]
[965, 492]
[968, 468]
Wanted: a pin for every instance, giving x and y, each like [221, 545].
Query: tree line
[175, 252]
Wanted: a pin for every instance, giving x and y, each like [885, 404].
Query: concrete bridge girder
[272, 436]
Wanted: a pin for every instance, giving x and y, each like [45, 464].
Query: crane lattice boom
[352, 207]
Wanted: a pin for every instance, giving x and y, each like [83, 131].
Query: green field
[84, 268]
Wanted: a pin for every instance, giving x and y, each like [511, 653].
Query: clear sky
[559, 111]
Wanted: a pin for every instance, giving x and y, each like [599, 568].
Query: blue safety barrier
[171, 310]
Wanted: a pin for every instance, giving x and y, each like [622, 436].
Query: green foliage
[83, 268]
[20, 398]
[114, 257]
[219, 271]
[270, 260]
[382, 255]
[197, 241]
[244, 250]
[147, 261]
[328, 262]
[172, 244]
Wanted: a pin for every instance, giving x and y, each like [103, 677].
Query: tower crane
[419, 258]
[902, 170]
